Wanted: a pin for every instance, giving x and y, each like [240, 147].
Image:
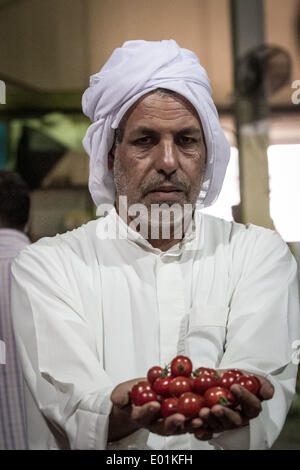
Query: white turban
[133, 70]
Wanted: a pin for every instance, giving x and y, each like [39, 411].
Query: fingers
[216, 419]
[220, 418]
[149, 417]
[250, 404]
[266, 391]
[203, 435]
[146, 414]
[194, 424]
[209, 420]
[178, 424]
[174, 424]
[229, 419]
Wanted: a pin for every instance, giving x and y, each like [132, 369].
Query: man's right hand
[126, 418]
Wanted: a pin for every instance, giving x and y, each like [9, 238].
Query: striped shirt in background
[12, 413]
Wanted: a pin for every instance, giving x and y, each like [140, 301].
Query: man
[96, 307]
[14, 213]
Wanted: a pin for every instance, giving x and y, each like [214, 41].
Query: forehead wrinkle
[159, 123]
[162, 110]
[152, 103]
[192, 130]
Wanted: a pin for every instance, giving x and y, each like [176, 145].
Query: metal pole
[251, 117]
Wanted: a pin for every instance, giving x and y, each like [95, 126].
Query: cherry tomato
[137, 389]
[192, 381]
[204, 370]
[154, 373]
[226, 380]
[218, 396]
[161, 386]
[257, 381]
[144, 396]
[189, 404]
[203, 382]
[235, 372]
[181, 366]
[248, 383]
[179, 385]
[169, 406]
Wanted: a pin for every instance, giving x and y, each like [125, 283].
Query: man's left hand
[220, 418]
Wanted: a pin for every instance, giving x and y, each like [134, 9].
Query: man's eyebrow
[190, 130]
[149, 130]
[142, 130]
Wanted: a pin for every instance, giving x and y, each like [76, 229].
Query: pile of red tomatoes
[179, 389]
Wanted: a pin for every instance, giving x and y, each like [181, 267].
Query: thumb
[120, 395]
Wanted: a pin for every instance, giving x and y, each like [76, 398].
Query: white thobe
[91, 311]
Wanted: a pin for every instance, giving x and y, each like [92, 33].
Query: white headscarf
[132, 71]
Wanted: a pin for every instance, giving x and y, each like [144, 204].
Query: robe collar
[190, 241]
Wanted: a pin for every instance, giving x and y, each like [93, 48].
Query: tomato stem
[222, 401]
[164, 372]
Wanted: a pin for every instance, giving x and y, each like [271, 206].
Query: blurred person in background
[14, 213]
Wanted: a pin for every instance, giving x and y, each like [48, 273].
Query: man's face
[161, 158]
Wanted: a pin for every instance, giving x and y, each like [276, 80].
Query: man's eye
[143, 140]
[185, 140]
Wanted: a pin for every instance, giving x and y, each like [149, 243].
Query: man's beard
[155, 219]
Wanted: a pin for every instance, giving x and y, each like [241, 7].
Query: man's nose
[167, 159]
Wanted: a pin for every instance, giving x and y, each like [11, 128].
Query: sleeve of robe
[262, 328]
[55, 344]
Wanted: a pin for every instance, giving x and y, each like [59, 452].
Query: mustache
[175, 181]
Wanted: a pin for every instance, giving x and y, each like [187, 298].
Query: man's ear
[111, 158]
